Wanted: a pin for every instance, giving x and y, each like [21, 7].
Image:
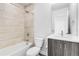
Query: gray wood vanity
[63, 46]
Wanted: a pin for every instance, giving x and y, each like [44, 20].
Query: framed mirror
[61, 18]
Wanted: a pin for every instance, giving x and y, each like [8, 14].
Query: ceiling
[25, 4]
[55, 6]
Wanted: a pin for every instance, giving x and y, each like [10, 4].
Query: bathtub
[15, 50]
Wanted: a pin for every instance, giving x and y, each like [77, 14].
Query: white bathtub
[15, 50]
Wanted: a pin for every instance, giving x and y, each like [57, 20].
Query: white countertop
[68, 37]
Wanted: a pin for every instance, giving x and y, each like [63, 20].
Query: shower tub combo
[16, 50]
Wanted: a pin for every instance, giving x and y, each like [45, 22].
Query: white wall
[42, 20]
[73, 17]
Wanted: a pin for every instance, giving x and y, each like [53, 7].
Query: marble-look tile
[15, 24]
[11, 24]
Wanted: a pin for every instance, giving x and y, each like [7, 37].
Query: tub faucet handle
[27, 34]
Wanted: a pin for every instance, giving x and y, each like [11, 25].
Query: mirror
[61, 18]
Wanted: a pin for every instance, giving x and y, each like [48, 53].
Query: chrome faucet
[62, 33]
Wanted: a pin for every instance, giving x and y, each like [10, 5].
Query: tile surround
[14, 24]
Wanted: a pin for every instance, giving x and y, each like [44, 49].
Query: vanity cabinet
[62, 48]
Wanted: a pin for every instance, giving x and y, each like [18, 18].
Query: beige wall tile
[11, 25]
[15, 24]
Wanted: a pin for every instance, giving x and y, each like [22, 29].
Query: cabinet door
[75, 50]
[51, 47]
[59, 48]
[71, 49]
[67, 48]
[55, 47]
